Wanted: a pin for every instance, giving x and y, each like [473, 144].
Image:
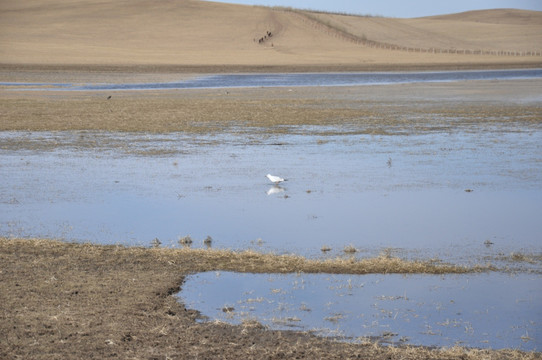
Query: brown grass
[255, 262]
[190, 32]
[488, 30]
[362, 110]
[518, 257]
[350, 249]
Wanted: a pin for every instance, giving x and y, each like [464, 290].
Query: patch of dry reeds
[255, 262]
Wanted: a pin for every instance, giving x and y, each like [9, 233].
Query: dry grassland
[224, 36]
[74, 301]
[487, 30]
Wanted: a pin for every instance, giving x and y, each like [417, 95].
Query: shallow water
[298, 79]
[372, 192]
[467, 310]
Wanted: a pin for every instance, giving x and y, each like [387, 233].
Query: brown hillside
[496, 16]
[191, 32]
[505, 30]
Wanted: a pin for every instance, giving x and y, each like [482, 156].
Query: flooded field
[464, 188]
[371, 192]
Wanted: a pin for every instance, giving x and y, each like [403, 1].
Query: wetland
[444, 174]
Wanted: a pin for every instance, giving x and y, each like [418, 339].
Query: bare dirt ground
[75, 301]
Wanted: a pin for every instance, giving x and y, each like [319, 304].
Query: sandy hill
[192, 32]
[496, 16]
[488, 30]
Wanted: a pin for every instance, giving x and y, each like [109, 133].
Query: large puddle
[465, 310]
[432, 193]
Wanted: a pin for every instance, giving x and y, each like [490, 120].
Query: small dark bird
[109, 97]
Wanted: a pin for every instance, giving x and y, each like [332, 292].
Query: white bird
[275, 179]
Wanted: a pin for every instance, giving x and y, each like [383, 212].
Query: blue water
[339, 192]
[299, 79]
[468, 310]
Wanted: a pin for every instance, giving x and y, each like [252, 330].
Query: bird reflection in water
[275, 189]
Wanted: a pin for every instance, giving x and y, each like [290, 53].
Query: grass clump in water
[186, 241]
[350, 249]
[255, 262]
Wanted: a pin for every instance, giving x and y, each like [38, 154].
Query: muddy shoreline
[65, 300]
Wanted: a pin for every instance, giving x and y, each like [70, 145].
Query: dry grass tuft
[208, 241]
[350, 249]
[325, 248]
[521, 257]
[156, 243]
[186, 241]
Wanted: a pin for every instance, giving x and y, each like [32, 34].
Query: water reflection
[216, 188]
[467, 310]
[275, 189]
